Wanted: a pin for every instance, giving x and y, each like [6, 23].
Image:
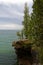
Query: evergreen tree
[26, 21]
[36, 24]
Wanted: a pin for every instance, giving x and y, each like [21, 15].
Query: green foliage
[26, 21]
[33, 27]
[36, 24]
[20, 34]
[25, 32]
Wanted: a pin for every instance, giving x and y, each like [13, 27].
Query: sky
[11, 13]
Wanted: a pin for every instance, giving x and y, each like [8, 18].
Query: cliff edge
[24, 52]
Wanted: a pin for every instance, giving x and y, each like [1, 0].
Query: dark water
[7, 52]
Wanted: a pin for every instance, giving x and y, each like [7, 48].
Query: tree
[36, 24]
[26, 21]
[20, 34]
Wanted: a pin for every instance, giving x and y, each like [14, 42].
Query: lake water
[7, 52]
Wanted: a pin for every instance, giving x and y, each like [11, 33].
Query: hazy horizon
[11, 13]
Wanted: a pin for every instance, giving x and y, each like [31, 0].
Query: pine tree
[26, 21]
[37, 24]
[37, 20]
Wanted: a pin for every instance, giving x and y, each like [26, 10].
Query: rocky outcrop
[24, 51]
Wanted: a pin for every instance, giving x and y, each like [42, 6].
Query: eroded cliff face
[24, 52]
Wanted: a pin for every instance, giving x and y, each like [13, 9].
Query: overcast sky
[11, 13]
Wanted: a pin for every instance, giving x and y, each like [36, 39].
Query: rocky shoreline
[24, 52]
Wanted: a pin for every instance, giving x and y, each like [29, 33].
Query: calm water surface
[7, 52]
